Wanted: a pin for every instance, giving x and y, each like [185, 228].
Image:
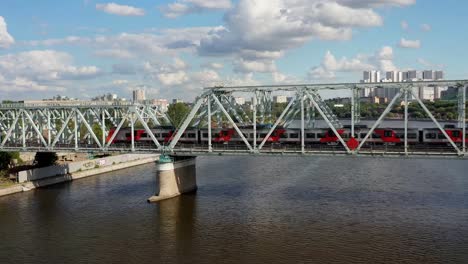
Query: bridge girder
[87, 127]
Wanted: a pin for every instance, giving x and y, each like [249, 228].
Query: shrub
[6, 157]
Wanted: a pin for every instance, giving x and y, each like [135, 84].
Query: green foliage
[6, 158]
[177, 113]
[442, 110]
[44, 159]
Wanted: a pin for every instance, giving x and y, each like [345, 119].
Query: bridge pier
[177, 175]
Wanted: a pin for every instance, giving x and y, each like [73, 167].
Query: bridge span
[218, 124]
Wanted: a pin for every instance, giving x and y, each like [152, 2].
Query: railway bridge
[218, 124]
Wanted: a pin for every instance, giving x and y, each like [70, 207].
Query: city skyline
[174, 48]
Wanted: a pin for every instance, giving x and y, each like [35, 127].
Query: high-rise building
[366, 76]
[412, 75]
[428, 75]
[371, 77]
[139, 95]
[439, 75]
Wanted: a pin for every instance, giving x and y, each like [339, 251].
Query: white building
[239, 100]
[371, 77]
[162, 104]
[279, 99]
[139, 95]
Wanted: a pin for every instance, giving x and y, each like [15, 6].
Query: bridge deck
[414, 151]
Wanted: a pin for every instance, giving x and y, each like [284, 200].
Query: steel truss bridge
[87, 127]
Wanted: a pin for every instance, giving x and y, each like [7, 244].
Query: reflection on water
[249, 210]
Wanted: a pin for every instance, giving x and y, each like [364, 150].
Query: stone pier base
[175, 178]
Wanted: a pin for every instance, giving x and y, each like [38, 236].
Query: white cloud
[429, 64]
[172, 78]
[213, 65]
[246, 66]
[120, 82]
[166, 42]
[114, 53]
[376, 3]
[383, 59]
[184, 7]
[6, 40]
[404, 25]
[257, 30]
[121, 10]
[330, 66]
[410, 44]
[41, 70]
[426, 27]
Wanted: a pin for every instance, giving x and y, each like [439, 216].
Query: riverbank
[12, 188]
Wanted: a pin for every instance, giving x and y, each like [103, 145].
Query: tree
[6, 158]
[44, 159]
[177, 113]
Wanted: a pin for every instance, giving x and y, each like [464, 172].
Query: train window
[412, 135]
[293, 135]
[441, 136]
[165, 135]
[456, 134]
[400, 135]
[284, 135]
[431, 136]
[128, 134]
[144, 135]
[263, 135]
[388, 133]
[310, 135]
[374, 135]
[192, 135]
[320, 135]
[205, 135]
[345, 135]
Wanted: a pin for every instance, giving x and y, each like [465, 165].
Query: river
[249, 210]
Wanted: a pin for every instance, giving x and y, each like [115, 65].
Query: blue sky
[85, 48]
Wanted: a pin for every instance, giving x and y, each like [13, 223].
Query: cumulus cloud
[258, 32]
[376, 3]
[213, 65]
[185, 7]
[410, 44]
[426, 27]
[404, 25]
[6, 40]
[41, 69]
[136, 45]
[121, 10]
[330, 65]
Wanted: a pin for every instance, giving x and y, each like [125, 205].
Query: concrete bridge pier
[177, 175]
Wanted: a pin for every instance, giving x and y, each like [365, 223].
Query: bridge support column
[176, 176]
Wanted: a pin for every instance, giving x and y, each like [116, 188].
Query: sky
[174, 48]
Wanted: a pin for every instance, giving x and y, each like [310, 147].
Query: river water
[249, 210]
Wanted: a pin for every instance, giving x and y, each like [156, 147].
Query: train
[390, 136]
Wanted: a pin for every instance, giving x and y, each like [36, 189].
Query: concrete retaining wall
[72, 167]
[74, 176]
